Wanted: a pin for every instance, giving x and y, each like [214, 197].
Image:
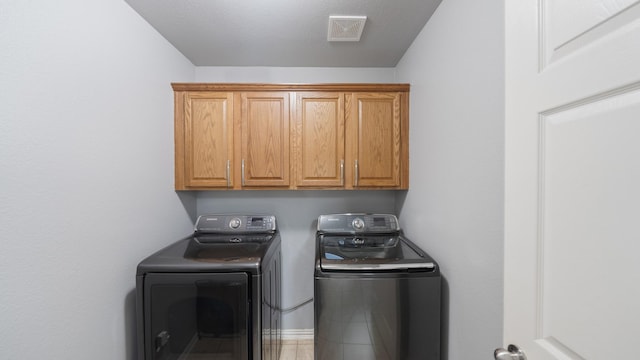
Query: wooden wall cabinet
[291, 136]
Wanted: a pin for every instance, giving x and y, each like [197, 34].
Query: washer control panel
[223, 224]
[358, 223]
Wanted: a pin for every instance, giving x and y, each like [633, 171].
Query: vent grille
[345, 28]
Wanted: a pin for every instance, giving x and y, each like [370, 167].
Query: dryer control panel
[358, 223]
[224, 224]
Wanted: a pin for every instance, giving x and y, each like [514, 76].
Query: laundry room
[88, 111]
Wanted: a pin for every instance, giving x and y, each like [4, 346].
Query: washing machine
[376, 294]
[215, 294]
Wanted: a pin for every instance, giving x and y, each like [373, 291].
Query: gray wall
[86, 174]
[293, 74]
[454, 208]
[297, 213]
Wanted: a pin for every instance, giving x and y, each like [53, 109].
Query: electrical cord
[290, 309]
[284, 311]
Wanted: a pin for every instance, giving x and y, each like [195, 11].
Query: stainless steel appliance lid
[375, 253]
[360, 241]
[207, 238]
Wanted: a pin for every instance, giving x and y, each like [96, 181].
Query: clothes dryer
[215, 294]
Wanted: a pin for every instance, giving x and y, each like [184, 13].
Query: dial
[357, 224]
[234, 223]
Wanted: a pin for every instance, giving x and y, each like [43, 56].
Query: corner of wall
[189, 200]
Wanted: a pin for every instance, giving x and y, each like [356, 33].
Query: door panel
[572, 26]
[572, 169]
[588, 157]
[319, 139]
[377, 162]
[209, 138]
[265, 139]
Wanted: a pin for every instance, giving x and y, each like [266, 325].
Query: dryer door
[196, 315]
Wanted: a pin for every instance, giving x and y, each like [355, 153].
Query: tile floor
[297, 350]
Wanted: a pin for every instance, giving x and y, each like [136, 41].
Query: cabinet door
[265, 139]
[375, 139]
[208, 139]
[319, 139]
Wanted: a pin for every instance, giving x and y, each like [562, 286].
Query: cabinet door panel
[208, 139]
[265, 139]
[377, 159]
[319, 139]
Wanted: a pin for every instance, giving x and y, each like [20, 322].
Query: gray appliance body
[214, 294]
[377, 295]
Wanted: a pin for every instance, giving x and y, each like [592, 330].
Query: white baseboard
[297, 334]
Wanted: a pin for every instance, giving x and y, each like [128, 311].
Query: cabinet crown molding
[345, 87]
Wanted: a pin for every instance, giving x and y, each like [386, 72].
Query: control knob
[357, 224]
[234, 223]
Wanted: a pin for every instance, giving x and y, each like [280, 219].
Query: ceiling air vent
[345, 28]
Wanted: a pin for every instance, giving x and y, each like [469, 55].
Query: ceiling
[285, 32]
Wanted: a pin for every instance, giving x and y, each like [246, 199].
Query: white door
[572, 227]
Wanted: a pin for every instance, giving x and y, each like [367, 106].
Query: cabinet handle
[242, 172]
[228, 173]
[342, 172]
[357, 175]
